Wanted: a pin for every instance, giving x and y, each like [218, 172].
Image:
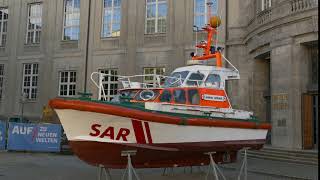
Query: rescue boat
[175, 121]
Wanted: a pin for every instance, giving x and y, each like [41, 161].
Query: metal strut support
[130, 170]
[167, 173]
[244, 166]
[106, 171]
[213, 166]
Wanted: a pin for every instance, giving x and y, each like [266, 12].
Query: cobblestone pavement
[40, 166]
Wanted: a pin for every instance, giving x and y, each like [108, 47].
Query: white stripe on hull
[77, 125]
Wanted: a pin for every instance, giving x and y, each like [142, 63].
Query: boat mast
[211, 28]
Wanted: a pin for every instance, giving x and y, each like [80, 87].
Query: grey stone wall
[268, 48]
[129, 53]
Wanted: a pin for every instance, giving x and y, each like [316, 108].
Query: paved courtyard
[41, 166]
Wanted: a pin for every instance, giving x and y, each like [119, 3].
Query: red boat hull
[186, 154]
[99, 133]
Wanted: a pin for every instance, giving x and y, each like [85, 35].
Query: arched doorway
[262, 89]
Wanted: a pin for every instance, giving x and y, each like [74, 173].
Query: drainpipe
[226, 29]
[87, 48]
[226, 39]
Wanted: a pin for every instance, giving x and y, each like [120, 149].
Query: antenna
[197, 29]
[218, 14]
[209, 4]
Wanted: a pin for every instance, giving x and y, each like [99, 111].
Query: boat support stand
[130, 170]
[244, 166]
[106, 171]
[213, 166]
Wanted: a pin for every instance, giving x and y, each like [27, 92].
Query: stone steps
[298, 153]
[294, 156]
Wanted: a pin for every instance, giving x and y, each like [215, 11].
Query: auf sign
[109, 132]
[22, 130]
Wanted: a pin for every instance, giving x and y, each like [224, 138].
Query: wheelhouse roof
[204, 69]
[195, 68]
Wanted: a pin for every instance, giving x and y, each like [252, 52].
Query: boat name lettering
[213, 97]
[109, 132]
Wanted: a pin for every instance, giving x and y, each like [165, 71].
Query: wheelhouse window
[67, 83]
[1, 79]
[30, 80]
[3, 26]
[176, 79]
[111, 18]
[71, 25]
[193, 97]
[195, 79]
[151, 80]
[179, 96]
[34, 25]
[156, 16]
[166, 96]
[201, 11]
[213, 80]
[109, 83]
[265, 4]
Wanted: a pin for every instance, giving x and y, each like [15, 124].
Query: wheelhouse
[195, 85]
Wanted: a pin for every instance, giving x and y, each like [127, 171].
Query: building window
[71, 25]
[3, 26]
[30, 80]
[67, 83]
[34, 25]
[1, 79]
[265, 4]
[201, 11]
[151, 80]
[156, 15]
[111, 18]
[109, 83]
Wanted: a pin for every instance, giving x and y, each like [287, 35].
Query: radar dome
[215, 21]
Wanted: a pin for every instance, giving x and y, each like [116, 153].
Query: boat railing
[129, 81]
[134, 82]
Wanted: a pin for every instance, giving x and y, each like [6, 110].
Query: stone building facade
[49, 48]
[131, 51]
[274, 45]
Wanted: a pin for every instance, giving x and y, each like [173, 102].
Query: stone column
[288, 82]
[240, 91]
[131, 38]
[12, 103]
